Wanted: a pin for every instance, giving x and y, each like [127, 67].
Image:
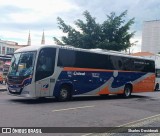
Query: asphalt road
[80, 112]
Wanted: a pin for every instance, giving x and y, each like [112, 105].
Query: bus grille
[15, 80]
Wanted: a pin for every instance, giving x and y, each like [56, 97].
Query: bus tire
[127, 91]
[64, 94]
[157, 87]
[104, 95]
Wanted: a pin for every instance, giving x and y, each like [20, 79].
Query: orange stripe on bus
[84, 69]
[92, 69]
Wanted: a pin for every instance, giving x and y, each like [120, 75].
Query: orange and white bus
[63, 72]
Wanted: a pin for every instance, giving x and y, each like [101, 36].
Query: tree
[112, 34]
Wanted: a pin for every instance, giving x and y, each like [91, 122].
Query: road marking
[154, 98]
[139, 120]
[152, 134]
[74, 108]
[87, 134]
[3, 92]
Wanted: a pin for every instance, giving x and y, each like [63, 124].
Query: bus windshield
[22, 64]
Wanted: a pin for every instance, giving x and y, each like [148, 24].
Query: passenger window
[45, 63]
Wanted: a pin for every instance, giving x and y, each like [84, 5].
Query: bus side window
[45, 63]
[41, 66]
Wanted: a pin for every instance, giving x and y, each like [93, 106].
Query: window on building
[3, 50]
[10, 50]
[0, 49]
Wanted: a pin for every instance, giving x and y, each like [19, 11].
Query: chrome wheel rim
[127, 91]
[64, 93]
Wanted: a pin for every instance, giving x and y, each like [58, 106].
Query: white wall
[151, 37]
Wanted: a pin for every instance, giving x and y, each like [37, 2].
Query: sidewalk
[3, 87]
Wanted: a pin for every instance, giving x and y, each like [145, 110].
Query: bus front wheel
[64, 94]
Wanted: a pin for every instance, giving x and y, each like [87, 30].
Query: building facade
[8, 47]
[151, 36]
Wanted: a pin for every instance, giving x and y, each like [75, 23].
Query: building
[8, 47]
[29, 39]
[151, 36]
[43, 38]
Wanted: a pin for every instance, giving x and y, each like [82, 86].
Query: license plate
[13, 90]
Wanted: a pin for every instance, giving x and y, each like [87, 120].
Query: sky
[18, 17]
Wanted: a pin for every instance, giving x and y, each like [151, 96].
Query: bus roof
[33, 48]
[100, 51]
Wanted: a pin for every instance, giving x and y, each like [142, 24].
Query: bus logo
[45, 87]
[79, 73]
[6, 130]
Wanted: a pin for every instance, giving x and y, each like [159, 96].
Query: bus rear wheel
[127, 91]
[157, 87]
[64, 94]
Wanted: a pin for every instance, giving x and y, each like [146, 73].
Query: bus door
[44, 72]
[43, 88]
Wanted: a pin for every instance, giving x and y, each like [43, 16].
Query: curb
[3, 89]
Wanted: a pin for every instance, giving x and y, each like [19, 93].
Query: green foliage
[112, 34]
